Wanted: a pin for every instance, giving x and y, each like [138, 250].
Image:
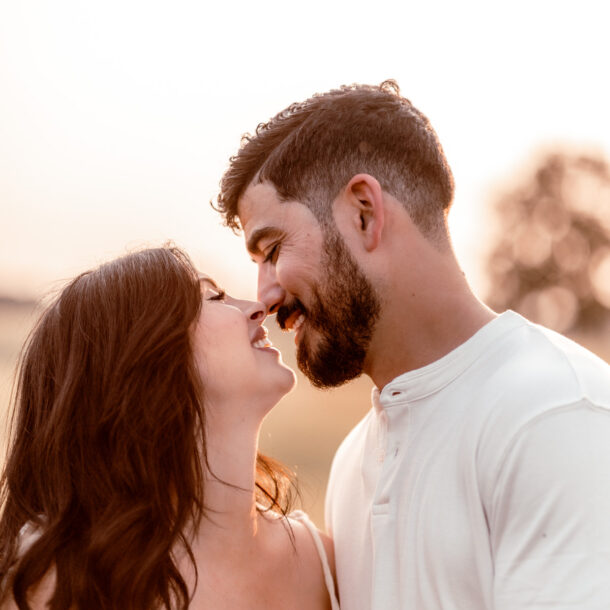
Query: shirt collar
[427, 380]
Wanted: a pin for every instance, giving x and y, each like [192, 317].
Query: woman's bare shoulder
[302, 519]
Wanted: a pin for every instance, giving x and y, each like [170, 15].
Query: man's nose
[269, 290]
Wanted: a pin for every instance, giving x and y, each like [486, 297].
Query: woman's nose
[256, 311]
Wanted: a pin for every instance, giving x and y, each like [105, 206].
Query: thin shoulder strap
[299, 515]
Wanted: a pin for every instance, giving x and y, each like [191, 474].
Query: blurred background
[117, 119]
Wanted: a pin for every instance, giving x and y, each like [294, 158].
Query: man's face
[310, 279]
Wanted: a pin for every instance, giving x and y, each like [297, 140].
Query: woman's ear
[362, 204]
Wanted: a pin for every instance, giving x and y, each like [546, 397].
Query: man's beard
[343, 314]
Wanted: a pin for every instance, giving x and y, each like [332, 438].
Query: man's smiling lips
[291, 317]
[293, 322]
[296, 327]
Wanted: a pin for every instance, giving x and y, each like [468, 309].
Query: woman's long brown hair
[107, 450]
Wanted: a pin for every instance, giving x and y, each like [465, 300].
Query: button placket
[391, 443]
[382, 433]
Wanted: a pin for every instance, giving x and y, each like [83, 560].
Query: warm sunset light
[117, 119]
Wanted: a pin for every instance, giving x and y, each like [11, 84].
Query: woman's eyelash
[218, 297]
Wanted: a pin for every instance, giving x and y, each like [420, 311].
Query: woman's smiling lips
[260, 339]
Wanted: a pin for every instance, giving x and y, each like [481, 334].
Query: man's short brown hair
[311, 150]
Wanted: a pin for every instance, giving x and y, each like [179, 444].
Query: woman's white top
[301, 517]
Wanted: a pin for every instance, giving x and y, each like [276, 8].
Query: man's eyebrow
[258, 235]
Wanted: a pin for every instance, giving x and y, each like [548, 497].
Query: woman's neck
[230, 484]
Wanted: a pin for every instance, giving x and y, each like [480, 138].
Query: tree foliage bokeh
[551, 262]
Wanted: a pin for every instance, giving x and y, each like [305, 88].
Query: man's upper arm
[550, 513]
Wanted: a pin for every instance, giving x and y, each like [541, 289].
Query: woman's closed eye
[218, 296]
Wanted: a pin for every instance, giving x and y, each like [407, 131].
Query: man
[480, 479]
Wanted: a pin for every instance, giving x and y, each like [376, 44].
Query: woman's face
[235, 359]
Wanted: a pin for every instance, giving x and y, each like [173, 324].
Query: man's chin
[321, 366]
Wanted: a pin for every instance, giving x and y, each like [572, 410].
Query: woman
[133, 479]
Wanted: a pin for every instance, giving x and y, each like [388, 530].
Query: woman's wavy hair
[107, 454]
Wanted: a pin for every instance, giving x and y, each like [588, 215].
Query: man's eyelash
[271, 253]
[218, 297]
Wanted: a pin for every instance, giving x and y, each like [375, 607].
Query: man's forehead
[259, 214]
[256, 202]
[263, 215]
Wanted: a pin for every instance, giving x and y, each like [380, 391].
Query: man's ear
[363, 209]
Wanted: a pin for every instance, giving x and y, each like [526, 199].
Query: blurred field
[16, 319]
[303, 431]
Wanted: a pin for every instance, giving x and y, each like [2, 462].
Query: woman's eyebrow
[206, 278]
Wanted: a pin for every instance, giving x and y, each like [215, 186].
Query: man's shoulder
[527, 375]
[538, 382]
[586, 371]
[535, 366]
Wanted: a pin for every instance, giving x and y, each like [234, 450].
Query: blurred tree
[552, 261]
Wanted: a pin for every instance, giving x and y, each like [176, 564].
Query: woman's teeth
[261, 343]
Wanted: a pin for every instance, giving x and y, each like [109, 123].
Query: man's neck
[425, 316]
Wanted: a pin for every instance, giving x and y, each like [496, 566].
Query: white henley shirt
[480, 482]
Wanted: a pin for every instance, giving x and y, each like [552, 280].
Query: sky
[117, 118]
